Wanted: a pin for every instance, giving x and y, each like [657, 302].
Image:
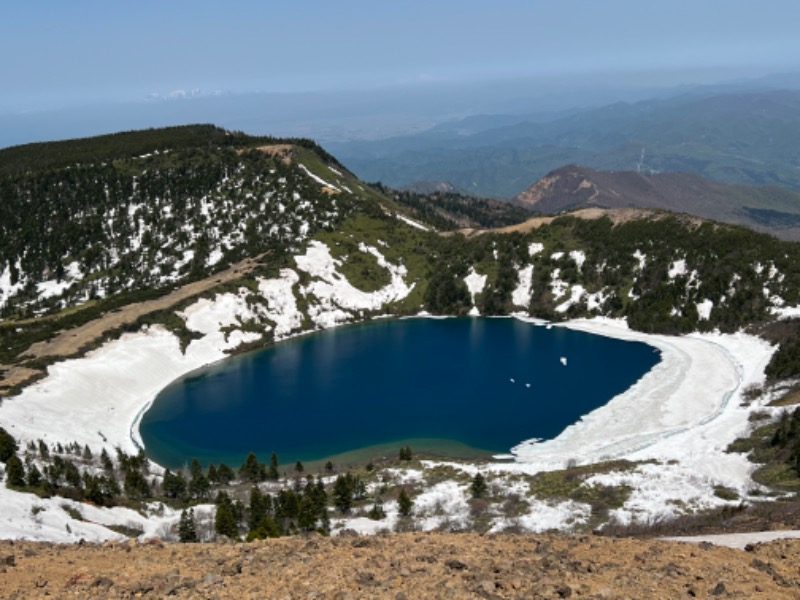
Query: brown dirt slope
[403, 566]
[69, 342]
[617, 216]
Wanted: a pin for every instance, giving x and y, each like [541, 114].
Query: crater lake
[454, 387]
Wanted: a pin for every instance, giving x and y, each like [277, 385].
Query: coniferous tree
[187, 530]
[307, 517]
[73, 476]
[405, 453]
[225, 474]
[106, 461]
[478, 486]
[250, 469]
[198, 484]
[225, 518]
[273, 468]
[376, 513]
[8, 445]
[342, 493]
[258, 508]
[404, 503]
[34, 478]
[44, 451]
[174, 484]
[15, 472]
[136, 485]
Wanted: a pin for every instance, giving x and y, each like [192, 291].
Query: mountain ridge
[762, 208]
[736, 137]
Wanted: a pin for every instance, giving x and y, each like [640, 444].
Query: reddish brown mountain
[764, 208]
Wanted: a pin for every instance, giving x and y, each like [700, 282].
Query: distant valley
[734, 137]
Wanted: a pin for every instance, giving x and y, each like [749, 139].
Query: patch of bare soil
[403, 566]
[617, 216]
[282, 151]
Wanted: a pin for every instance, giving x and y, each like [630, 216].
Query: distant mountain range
[763, 208]
[734, 137]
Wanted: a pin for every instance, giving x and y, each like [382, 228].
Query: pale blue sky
[54, 52]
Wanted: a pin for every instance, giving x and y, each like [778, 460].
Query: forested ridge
[147, 209]
[653, 271]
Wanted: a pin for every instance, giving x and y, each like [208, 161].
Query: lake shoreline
[485, 384]
[95, 399]
[154, 355]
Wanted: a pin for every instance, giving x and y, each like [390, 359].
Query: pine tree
[225, 474]
[136, 485]
[250, 469]
[173, 484]
[106, 461]
[198, 484]
[34, 476]
[258, 509]
[15, 472]
[307, 517]
[376, 513]
[44, 451]
[8, 445]
[343, 493]
[404, 503]
[187, 530]
[298, 467]
[273, 468]
[478, 486]
[225, 518]
[405, 453]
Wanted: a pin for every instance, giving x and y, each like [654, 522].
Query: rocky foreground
[397, 566]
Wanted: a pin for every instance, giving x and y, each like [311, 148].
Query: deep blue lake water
[442, 385]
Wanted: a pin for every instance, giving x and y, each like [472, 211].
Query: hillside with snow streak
[324, 250]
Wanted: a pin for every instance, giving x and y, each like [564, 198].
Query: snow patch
[335, 295]
[408, 221]
[535, 248]
[282, 305]
[677, 268]
[317, 178]
[576, 293]
[521, 296]
[704, 309]
[641, 257]
[579, 256]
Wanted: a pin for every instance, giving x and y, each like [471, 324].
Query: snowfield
[680, 416]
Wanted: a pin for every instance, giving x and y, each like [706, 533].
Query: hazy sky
[54, 52]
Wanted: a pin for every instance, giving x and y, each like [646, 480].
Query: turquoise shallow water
[375, 384]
